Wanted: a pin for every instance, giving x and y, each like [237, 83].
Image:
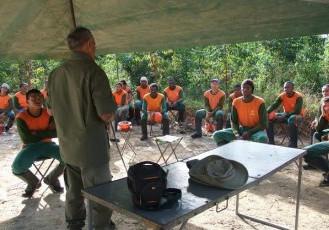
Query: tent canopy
[34, 29]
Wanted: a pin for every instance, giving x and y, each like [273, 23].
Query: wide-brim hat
[218, 171]
[5, 85]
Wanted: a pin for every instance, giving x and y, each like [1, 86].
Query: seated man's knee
[292, 120]
[219, 114]
[200, 114]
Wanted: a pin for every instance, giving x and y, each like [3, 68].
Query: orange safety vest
[173, 95]
[4, 102]
[248, 112]
[214, 99]
[289, 103]
[36, 123]
[142, 91]
[22, 99]
[154, 104]
[118, 97]
[44, 93]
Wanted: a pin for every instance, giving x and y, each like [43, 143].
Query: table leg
[300, 162]
[89, 214]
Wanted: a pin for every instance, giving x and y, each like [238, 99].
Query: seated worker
[6, 106]
[316, 152]
[141, 90]
[20, 102]
[174, 97]
[36, 128]
[319, 131]
[120, 98]
[236, 93]
[248, 118]
[129, 99]
[292, 106]
[214, 101]
[320, 135]
[154, 102]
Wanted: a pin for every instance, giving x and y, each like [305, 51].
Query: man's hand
[2, 116]
[245, 136]
[209, 115]
[108, 117]
[314, 124]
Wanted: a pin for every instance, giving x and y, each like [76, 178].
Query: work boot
[219, 124]
[144, 130]
[32, 181]
[319, 163]
[52, 179]
[198, 131]
[325, 180]
[270, 132]
[9, 124]
[165, 123]
[293, 133]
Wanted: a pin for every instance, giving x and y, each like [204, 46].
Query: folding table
[169, 141]
[261, 160]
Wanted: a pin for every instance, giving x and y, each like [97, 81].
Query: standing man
[292, 113]
[153, 104]
[141, 90]
[174, 96]
[80, 99]
[214, 100]
[20, 101]
[249, 118]
[236, 93]
[6, 106]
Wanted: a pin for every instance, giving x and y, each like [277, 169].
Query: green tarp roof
[31, 29]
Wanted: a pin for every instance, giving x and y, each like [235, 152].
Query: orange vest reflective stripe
[142, 91]
[22, 100]
[44, 93]
[248, 112]
[173, 95]
[289, 103]
[4, 101]
[214, 99]
[36, 123]
[154, 104]
[118, 97]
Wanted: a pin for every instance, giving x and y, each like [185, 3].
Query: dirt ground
[273, 200]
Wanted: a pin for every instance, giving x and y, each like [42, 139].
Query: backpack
[147, 182]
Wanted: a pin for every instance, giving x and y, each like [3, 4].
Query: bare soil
[273, 200]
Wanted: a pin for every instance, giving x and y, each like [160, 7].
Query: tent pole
[72, 13]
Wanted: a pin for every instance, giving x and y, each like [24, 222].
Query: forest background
[303, 60]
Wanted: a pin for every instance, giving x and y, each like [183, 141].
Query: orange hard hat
[155, 117]
[271, 115]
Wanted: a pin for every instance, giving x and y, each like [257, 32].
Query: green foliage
[304, 60]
